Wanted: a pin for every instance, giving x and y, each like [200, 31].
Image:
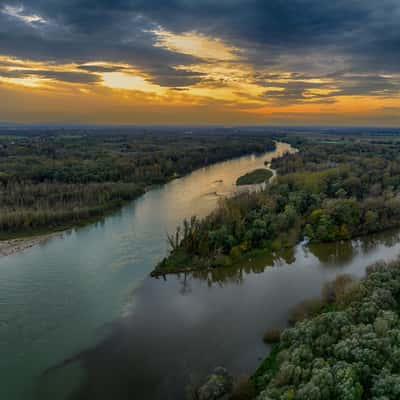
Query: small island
[257, 176]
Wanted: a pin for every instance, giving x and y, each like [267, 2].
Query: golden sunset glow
[211, 81]
[121, 80]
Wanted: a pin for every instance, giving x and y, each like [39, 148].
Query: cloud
[291, 52]
[101, 68]
[196, 45]
[80, 33]
[64, 76]
[168, 76]
[303, 88]
[271, 32]
[299, 92]
[18, 13]
[369, 84]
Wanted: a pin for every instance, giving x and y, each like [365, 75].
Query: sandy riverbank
[12, 246]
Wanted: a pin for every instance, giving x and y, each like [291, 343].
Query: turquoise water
[59, 298]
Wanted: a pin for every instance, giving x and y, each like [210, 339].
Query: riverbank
[54, 188]
[324, 193]
[13, 246]
[15, 242]
[181, 258]
[31, 227]
[240, 260]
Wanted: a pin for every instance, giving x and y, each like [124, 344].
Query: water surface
[181, 327]
[59, 298]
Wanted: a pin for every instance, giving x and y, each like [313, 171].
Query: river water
[181, 327]
[60, 298]
[88, 294]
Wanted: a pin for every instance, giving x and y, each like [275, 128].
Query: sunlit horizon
[130, 65]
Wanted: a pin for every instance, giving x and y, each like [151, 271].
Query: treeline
[50, 181]
[34, 207]
[327, 191]
[128, 158]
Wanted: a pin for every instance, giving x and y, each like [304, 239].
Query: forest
[348, 349]
[56, 178]
[331, 189]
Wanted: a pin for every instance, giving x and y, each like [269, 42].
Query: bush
[305, 309]
[243, 389]
[335, 290]
[272, 336]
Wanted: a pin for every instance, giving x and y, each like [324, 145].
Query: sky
[186, 62]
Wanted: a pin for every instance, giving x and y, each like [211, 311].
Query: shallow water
[59, 298]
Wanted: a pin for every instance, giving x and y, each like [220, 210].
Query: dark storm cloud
[299, 90]
[373, 85]
[64, 76]
[365, 33]
[167, 76]
[101, 68]
[78, 33]
[305, 36]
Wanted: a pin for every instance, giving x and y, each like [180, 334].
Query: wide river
[88, 294]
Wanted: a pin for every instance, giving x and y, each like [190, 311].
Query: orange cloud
[229, 90]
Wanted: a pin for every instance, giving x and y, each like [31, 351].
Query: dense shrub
[304, 310]
[243, 390]
[272, 335]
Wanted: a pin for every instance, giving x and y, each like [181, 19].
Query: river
[58, 298]
[89, 294]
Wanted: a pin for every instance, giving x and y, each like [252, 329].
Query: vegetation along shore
[331, 189]
[55, 179]
[345, 346]
[255, 177]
